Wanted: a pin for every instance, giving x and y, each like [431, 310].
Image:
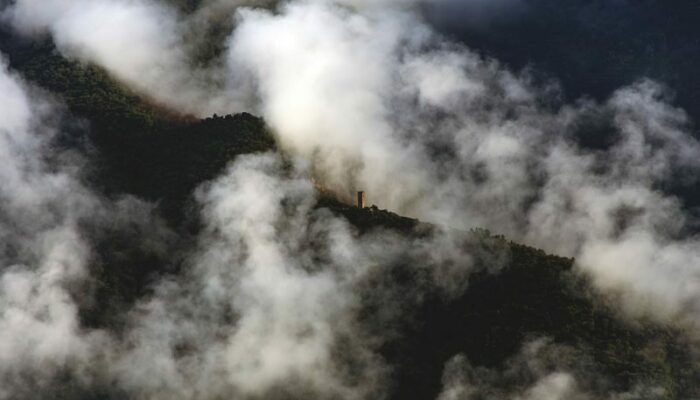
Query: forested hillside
[134, 147]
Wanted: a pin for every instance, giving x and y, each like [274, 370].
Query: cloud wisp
[267, 303]
[541, 370]
[378, 101]
[271, 302]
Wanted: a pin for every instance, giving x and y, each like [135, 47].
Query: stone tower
[360, 199]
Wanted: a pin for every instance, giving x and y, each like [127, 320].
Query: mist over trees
[155, 252]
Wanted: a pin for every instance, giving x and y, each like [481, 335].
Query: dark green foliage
[533, 295]
[167, 165]
[140, 148]
[87, 90]
[134, 148]
[164, 166]
[129, 256]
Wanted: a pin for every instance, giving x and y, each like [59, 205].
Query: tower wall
[361, 199]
